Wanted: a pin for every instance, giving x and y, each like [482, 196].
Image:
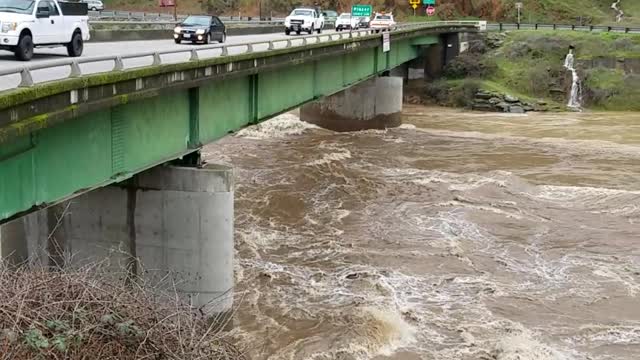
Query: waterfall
[619, 13]
[575, 97]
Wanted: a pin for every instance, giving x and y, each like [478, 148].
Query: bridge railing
[109, 63]
[172, 24]
[146, 16]
[588, 28]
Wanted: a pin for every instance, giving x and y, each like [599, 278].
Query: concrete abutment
[167, 220]
[373, 104]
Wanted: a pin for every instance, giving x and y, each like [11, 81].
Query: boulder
[511, 99]
[482, 107]
[483, 95]
[515, 109]
[495, 100]
[503, 106]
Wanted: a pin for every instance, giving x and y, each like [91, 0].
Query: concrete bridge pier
[435, 57]
[167, 220]
[373, 104]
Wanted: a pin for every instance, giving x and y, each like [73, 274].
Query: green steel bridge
[85, 130]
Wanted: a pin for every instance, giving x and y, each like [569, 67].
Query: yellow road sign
[414, 2]
[414, 6]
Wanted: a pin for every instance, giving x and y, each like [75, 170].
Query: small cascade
[619, 13]
[575, 97]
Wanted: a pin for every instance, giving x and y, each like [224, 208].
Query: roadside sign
[414, 6]
[167, 3]
[431, 10]
[361, 10]
[518, 5]
[429, 2]
[386, 42]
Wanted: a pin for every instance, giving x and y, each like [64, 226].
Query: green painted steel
[425, 40]
[106, 146]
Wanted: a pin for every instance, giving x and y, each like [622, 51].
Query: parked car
[364, 22]
[95, 5]
[200, 29]
[304, 19]
[382, 21]
[330, 16]
[346, 22]
[27, 24]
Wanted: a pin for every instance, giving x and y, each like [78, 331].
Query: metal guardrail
[142, 16]
[26, 79]
[588, 28]
[172, 24]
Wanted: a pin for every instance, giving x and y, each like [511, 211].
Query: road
[52, 55]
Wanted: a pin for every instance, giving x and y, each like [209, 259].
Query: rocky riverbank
[496, 102]
[525, 71]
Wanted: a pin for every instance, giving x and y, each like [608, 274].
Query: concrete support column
[13, 242]
[184, 224]
[452, 49]
[166, 220]
[434, 61]
[438, 55]
[401, 71]
[416, 67]
[372, 104]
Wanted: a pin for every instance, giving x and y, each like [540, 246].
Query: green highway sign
[428, 2]
[361, 10]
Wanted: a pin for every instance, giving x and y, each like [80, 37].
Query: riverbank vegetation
[93, 313]
[529, 65]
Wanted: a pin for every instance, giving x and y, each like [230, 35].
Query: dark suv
[200, 29]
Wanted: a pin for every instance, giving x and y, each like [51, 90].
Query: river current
[456, 236]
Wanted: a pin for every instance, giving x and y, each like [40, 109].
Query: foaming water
[455, 236]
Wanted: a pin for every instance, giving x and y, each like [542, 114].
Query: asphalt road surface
[53, 55]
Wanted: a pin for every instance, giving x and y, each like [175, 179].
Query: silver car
[95, 5]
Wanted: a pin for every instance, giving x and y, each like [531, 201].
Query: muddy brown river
[456, 236]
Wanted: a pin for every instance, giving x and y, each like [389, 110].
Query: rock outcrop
[496, 102]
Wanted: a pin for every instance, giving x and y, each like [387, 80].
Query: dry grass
[92, 313]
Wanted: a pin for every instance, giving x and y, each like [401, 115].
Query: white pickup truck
[303, 19]
[25, 24]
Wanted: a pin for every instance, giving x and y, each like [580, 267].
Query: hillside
[530, 66]
[542, 11]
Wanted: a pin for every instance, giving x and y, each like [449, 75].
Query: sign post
[386, 41]
[414, 5]
[519, 7]
[173, 4]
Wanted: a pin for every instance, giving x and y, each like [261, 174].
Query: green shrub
[463, 94]
[470, 64]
